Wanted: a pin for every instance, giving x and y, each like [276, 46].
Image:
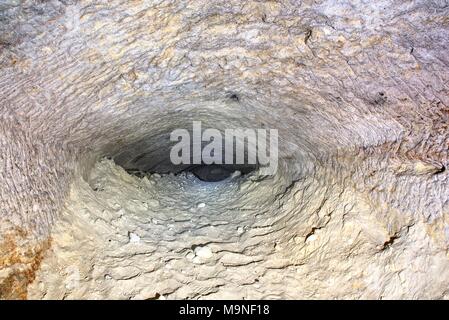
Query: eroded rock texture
[357, 90]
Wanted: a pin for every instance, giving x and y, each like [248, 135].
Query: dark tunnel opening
[206, 172]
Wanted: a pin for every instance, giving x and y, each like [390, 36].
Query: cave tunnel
[92, 207]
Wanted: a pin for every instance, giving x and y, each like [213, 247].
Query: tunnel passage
[215, 173]
[92, 207]
[150, 162]
[208, 172]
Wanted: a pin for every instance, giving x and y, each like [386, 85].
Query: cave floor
[177, 237]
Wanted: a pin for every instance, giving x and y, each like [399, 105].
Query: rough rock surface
[124, 237]
[357, 89]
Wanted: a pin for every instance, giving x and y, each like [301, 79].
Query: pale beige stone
[357, 89]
